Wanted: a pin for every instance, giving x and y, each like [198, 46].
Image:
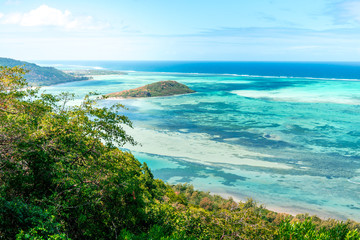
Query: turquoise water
[291, 143]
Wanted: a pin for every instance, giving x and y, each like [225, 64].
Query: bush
[25, 221]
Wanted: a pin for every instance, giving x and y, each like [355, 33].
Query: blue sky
[234, 30]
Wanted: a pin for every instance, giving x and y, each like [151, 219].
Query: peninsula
[41, 76]
[157, 89]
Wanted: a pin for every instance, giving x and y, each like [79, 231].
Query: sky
[195, 30]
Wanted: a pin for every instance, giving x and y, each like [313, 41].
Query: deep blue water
[346, 70]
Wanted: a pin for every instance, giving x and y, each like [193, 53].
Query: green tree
[65, 159]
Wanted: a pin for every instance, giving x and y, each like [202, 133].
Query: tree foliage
[66, 157]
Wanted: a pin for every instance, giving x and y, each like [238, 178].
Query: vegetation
[158, 89]
[63, 177]
[41, 76]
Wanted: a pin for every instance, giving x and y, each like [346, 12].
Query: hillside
[157, 89]
[41, 76]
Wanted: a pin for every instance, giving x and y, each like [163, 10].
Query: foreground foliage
[62, 176]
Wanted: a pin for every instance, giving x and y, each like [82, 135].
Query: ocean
[283, 133]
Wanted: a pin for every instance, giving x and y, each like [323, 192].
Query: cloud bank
[45, 16]
[352, 10]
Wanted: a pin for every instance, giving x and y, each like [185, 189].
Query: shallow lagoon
[292, 144]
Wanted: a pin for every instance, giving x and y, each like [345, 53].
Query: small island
[157, 89]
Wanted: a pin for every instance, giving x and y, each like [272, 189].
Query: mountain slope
[41, 75]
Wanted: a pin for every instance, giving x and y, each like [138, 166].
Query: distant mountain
[158, 89]
[41, 76]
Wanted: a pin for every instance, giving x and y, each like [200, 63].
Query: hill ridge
[41, 76]
[157, 89]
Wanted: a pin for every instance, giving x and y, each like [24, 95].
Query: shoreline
[293, 211]
[122, 98]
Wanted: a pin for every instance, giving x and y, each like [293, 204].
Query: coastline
[293, 210]
[276, 209]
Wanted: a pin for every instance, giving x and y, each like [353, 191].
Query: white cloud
[48, 16]
[304, 47]
[352, 10]
[8, 2]
[1, 15]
